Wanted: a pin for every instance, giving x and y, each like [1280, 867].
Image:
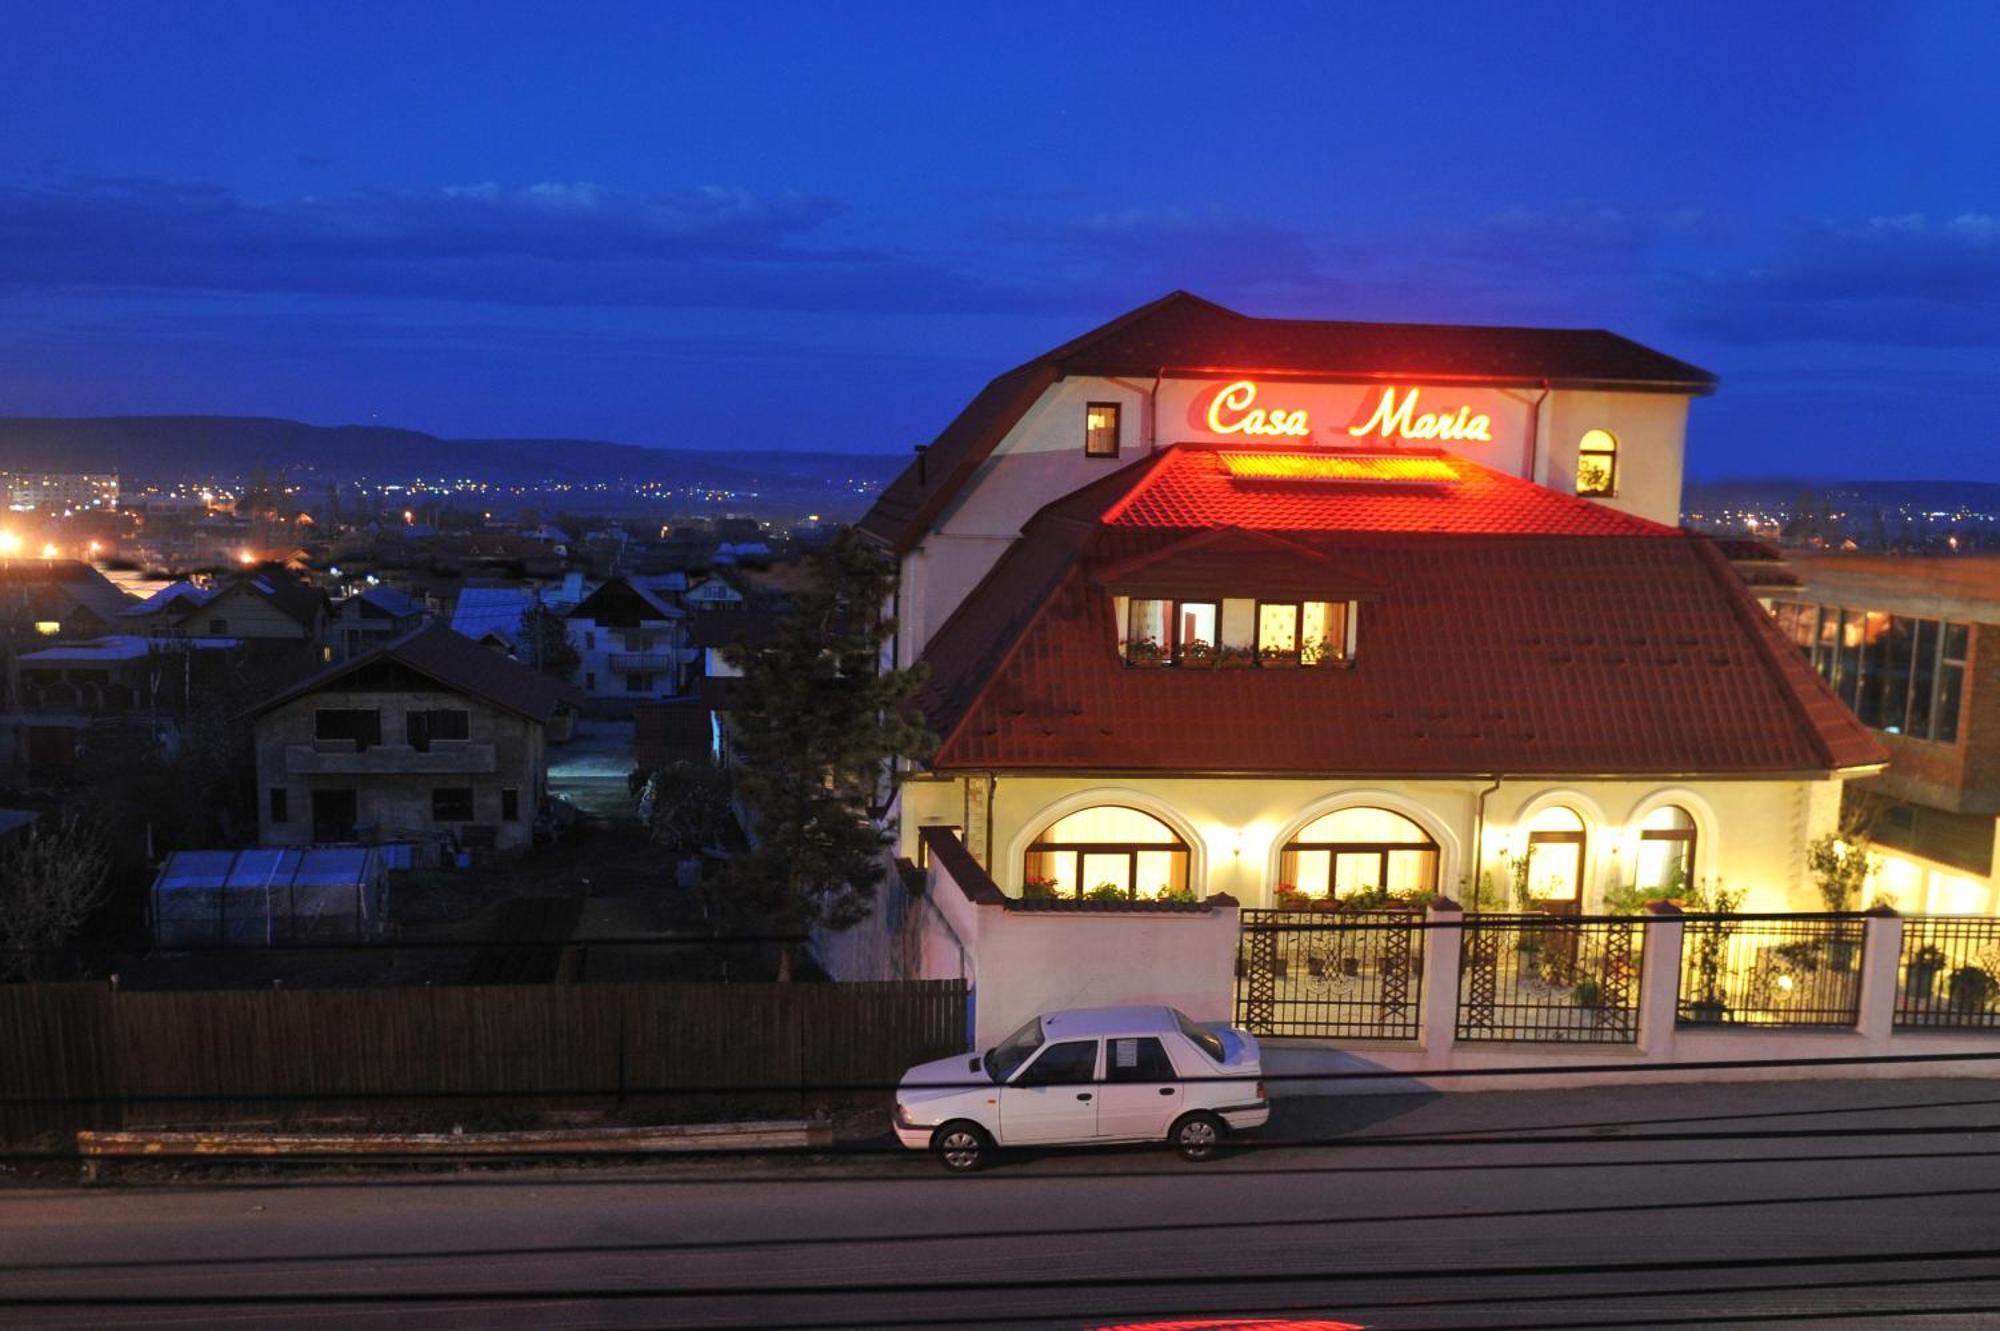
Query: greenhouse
[276, 895]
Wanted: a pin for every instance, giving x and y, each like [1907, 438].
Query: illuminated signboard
[1231, 413]
[1395, 419]
[1234, 409]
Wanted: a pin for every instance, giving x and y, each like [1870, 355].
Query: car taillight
[902, 1115]
[1260, 1090]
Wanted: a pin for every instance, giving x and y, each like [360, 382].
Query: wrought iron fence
[1949, 974]
[1799, 970]
[1547, 977]
[1351, 976]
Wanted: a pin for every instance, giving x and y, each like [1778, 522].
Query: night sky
[824, 226]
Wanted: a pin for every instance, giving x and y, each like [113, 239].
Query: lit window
[1666, 849]
[1195, 624]
[1323, 632]
[1100, 430]
[1359, 850]
[1555, 860]
[1278, 632]
[48, 628]
[1109, 846]
[1597, 463]
[1149, 632]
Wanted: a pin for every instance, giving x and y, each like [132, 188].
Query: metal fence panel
[1349, 976]
[1949, 974]
[1802, 970]
[1543, 977]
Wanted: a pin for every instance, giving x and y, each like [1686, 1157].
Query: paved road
[1422, 1234]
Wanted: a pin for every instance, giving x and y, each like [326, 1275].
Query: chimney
[923, 469]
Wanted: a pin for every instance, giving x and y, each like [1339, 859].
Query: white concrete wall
[1651, 430]
[1751, 835]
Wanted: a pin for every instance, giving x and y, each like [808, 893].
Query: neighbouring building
[57, 598]
[59, 491]
[370, 618]
[1241, 611]
[634, 645]
[65, 698]
[1912, 644]
[430, 738]
[281, 620]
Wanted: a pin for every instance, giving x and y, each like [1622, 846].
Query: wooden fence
[76, 1056]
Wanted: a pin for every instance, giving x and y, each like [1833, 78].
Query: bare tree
[50, 883]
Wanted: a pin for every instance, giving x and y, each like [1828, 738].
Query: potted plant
[1970, 990]
[1038, 889]
[1324, 652]
[1197, 654]
[1290, 898]
[1105, 892]
[1174, 894]
[1144, 653]
[1277, 658]
[1587, 994]
[1921, 977]
[1711, 944]
[1233, 658]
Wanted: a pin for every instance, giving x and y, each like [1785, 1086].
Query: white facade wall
[1751, 835]
[604, 670]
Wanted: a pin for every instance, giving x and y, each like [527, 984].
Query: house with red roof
[1220, 610]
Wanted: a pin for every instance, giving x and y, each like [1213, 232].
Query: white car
[1114, 1074]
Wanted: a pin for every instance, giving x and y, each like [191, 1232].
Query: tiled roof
[1186, 335]
[1525, 632]
[1195, 488]
[459, 664]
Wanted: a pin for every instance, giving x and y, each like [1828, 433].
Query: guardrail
[1543, 977]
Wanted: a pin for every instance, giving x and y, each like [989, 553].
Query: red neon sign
[1394, 419]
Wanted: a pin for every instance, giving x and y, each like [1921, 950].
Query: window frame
[1155, 1077]
[1026, 1079]
[1174, 627]
[1298, 630]
[1131, 850]
[280, 804]
[1117, 429]
[1689, 837]
[510, 804]
[1609, 490]
[1381, 849]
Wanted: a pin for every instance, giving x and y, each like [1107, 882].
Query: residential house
[634, 646]
[428, 738]
[56, 598]
[68, 696]
[371, 617]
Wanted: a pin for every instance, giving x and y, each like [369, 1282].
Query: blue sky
[821, 226]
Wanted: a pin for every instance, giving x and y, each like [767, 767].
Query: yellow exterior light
[48, 549]
[10, 544]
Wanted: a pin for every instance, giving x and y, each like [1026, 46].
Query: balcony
[338, 757]
[642, 662]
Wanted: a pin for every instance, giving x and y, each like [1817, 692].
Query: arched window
[1666, 848]
[1555, 866]
[1597, 463]
[1107, 846]
[1353, 850]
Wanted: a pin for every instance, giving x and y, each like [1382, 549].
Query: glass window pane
[1923, 679]
[1278, 628]
[1323, 629]
[1113, 869]
[1356, 871]
[1951, 679]
[1364, 826]
[1412, 871]
[1308, 871]
[1197, 623]
[1662, 862]
[1108, 823]
[1161, 870]
[1956, 641]
[1852, 625]
[1149, 624]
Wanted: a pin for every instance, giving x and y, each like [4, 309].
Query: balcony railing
[646, 662]
[1949, 973]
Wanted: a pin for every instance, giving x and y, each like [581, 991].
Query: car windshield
[1209, 1041]
[1012, 1052]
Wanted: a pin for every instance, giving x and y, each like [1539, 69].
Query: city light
[48, 549]
[245, 558]
[10, 544]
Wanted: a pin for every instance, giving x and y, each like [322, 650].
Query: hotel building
[1260, 611]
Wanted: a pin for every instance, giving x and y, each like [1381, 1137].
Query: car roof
[1077, 1023]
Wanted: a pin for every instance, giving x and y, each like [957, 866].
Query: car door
[1054, 1098]
[1141, 1093]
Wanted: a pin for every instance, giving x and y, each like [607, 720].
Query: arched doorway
[1666, 850]
[1106, 846]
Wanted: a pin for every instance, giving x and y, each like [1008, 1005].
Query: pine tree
[815, 742]
[546, 645]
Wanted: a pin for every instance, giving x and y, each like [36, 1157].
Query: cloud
[551, 243]
[1902, 280]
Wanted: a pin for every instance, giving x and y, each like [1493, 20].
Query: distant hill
[175, 448]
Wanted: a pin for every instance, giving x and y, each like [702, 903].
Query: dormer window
[1100, 430]
[1597, 464]
[1234, 632]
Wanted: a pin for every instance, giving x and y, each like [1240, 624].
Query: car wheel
[1197, 1136]
[961, 1147]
